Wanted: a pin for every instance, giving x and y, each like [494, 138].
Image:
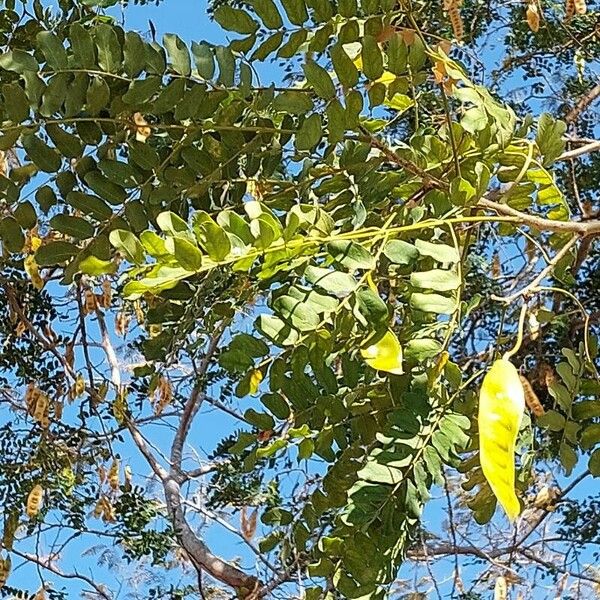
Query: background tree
[266, 309]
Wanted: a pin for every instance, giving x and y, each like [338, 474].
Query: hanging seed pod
[34, 501]
[580, 7]
[500, 589]
[121, 324]
[90, 303]
[31, 394]
[248, 523]
[119, 406]
[456, 22]
[106, 294]
[5, 565]
[139, 313]
[533, 17]
[102, 472]
[70, 353]
[40, 413]
[40, 594]
[128, 477]
[531, 399]
[163, 395]
[113, 475]
[11, 523]
[569, 9]
[79, 385]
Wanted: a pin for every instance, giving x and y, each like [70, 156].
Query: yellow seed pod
[33, 272]
[41, 407]
[580, 7]
[31, 394]
[119, 406]
[5, 565]
[139, 313]
[457, 23]
[79, 387]
[500, 589]
[34, 501]
[385, 354]
[501, 408]
[113, 475]
[532, 16]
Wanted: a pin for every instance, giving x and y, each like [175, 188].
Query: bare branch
[48, 566]
[583, 103]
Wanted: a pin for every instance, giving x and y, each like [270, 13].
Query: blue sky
[189, 20]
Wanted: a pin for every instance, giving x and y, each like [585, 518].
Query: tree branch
[48, 566]
[583, 103]
[583, 228]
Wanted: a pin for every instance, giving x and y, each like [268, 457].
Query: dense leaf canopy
[228, 301]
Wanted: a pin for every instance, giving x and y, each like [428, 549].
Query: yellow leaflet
[31, 268]
[385, 354]
[256, 377]
[386, 78]
[501, 407]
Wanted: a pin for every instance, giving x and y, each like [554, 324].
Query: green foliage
[262, 236]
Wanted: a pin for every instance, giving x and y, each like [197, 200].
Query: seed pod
[580, 7]
[119, 407]
[31, 394]
[40, 412]
[11, 523]
[128, 476]
[70, 353]
[90, 301]
[99, 508]
[163, 395]
[79, 385]
[500, 589]
[106, 294]
[496, 266]
[113, 475]
[533, 17]
[34, 501]
[40, 594]
[139, 313]
[121, 324]
[531, 399]
[101, 472]
[5, 565]
[248, 523]
[569, 9]
[457, 23]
